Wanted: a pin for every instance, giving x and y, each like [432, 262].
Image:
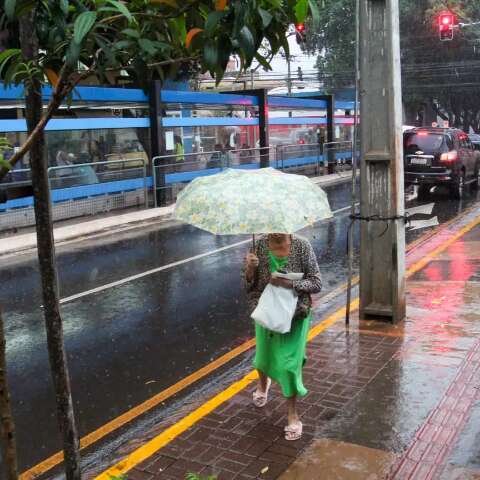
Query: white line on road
[123, 281]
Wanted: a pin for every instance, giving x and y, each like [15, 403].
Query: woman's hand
[281, 282]
[252, 263]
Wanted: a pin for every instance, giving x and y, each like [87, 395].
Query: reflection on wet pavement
[329, 459]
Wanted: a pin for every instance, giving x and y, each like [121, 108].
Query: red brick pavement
[424, 459]
[238, 441]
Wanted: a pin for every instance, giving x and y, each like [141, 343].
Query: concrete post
[382, 244]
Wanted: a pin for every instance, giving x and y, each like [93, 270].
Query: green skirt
[282, 356]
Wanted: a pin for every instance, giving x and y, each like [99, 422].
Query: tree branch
[176, 14]
[64, 86]
[171, 61]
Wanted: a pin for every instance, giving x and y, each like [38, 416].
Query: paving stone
[159, 464]
[137, 474]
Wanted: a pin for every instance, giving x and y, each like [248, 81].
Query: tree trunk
[47, 262]
[7, 426]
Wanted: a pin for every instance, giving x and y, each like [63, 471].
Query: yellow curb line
[151, 447]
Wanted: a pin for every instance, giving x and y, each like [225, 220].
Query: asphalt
[128, 342]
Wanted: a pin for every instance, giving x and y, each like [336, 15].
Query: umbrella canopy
[252, 201]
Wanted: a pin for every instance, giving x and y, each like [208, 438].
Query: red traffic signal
[446, 23]
[300, 27]
[300, 33]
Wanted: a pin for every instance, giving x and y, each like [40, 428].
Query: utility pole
[289, 77]
[382, 238]
[289, 81]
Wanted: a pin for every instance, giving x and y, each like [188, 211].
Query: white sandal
[294, 431]
[260, 398]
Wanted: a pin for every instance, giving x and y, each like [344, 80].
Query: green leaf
[212, 21]
[275, 3]
[283, 42]
[9, 7]
[10, 52]
[267, 17]
[147, 46]
[130, 32]
[122, 44]
[315, 11]
[301, 10]
[73, 53]
[247, 42]
[182, 28]
[83, 24]
[210, 55]
[263, 61]
[122, 9]
[4, 164]
[7, 55]
[64, 6]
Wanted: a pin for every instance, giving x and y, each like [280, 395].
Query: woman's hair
[278, 238]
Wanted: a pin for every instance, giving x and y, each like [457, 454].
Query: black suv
[436, 156]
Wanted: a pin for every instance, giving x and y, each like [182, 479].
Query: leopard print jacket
[302, 259]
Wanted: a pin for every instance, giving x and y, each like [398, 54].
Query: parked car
[475, 139]
[440, 156]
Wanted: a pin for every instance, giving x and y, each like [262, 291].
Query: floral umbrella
[252, 202]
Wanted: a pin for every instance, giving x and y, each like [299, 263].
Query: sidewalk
[72, 230]
[384, 401]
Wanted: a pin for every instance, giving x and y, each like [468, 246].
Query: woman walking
[280, 357]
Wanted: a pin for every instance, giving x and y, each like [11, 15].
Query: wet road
[128, 342]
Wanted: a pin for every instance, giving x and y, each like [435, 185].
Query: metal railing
[19, 176]
[250, 157]
[337, 154]
[172, 172]
[299, 157]
[98, 187]
[79, 190]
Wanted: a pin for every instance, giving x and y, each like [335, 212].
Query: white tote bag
[277, 305]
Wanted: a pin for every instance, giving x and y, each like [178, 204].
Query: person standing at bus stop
[281, 357]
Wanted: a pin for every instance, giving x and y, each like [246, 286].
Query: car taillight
[449, 156]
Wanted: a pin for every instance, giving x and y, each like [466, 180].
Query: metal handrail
[177, 164]
[91, 164]
[334, 147]
[343, 142]
[174, 155]
[283, 147]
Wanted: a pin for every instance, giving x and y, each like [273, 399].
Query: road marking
[147, 273]
[151, 447]
[118, 422]
[123, 281]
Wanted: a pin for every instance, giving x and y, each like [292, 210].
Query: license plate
[418, 161]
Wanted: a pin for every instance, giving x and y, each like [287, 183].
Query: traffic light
[446, 24]
[300, 32]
